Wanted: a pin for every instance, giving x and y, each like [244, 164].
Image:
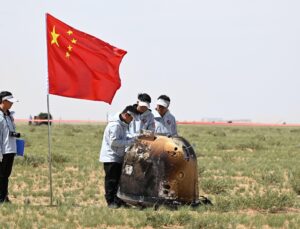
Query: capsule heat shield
[159, 170]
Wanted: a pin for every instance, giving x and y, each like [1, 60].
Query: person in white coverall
[8, 146]
[165, 122]
[115, 141]
[144, 120]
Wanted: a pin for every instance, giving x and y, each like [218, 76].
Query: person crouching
[112, 153]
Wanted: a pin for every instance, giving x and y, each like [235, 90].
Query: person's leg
[2, 187]
[112, 177]
[118, 172]
[5, 171]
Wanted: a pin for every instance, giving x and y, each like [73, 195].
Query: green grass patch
[251, 175]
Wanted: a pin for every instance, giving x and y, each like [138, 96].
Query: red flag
[80, 65]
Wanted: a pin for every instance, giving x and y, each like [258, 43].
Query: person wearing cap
[112, 152]
[165, 122]
[144, 120]
[8, 146]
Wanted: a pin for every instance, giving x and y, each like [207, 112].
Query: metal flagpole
[49, 133]
[49, 152]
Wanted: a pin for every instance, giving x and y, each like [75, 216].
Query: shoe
[7, 200]
[121, 203]
[113, 206]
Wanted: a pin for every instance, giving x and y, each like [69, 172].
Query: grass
[251, 174]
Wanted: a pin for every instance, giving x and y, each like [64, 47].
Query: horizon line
[219, 123]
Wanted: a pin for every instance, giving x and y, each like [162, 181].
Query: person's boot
[2, 198]
[7, 200]
[2, 188]
[113, 205]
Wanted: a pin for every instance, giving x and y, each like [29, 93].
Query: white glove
[1, 157]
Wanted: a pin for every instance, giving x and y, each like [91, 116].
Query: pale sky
[237, 59]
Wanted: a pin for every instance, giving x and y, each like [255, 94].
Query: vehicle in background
[42, 119]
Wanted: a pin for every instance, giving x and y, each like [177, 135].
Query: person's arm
[131, 133]
[174, 127]
[1, 140]
[151, 125]
[115, 140]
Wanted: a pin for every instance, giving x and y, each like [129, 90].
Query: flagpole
[49, 152]
[49, 129]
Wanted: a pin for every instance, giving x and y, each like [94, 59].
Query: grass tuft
[294, 178]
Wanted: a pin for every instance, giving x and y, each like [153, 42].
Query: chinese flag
[80, 65]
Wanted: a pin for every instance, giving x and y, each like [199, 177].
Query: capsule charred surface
[159, 170]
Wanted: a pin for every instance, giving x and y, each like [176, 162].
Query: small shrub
[222, 146]
[214, 186]
[30, 160]
[250, 145]
[235, 130]
[227, 157]
[271, 177]
[184, 218]
[158, 220]
[201, 170]
[69, 133]
[294, 178]
[59, 158]
[295, 131]
[32, 129]
[98, 134]
[260, 137]
[224, 204]
[273, 201]
[193, 135]
[217, 133]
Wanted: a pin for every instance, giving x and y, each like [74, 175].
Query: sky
[226, 59]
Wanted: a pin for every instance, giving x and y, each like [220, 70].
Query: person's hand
[132, 140]
[1, 157]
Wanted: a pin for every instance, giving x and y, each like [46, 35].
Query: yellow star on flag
[70, 32]
[74, 41]
[54, 37]
[91, 65]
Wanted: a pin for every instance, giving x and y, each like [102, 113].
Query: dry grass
[250, 174]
